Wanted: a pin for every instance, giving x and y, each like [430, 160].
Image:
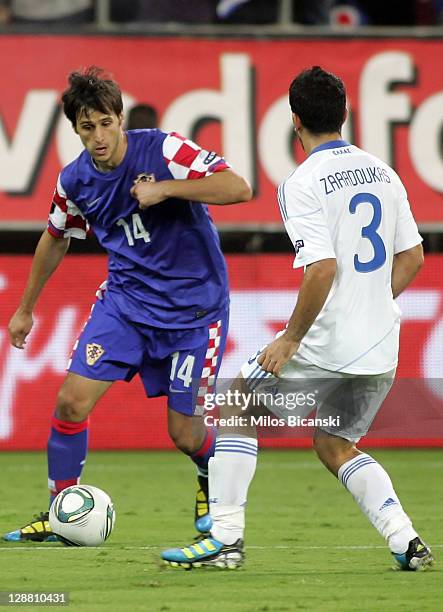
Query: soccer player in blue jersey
[163, 311]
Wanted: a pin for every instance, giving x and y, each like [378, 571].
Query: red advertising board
[230, 95]
[264, 289]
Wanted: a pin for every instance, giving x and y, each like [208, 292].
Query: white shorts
[346, 404]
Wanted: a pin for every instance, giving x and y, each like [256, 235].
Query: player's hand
[147, 191]
[277, 354]
[19, 327]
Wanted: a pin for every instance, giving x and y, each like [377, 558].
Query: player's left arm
[315, 288]
[197, 176]
[222, 187]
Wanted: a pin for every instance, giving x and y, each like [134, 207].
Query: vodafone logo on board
[387, 85]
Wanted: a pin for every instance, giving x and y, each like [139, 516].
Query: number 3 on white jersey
[370, 232]
[138, 230]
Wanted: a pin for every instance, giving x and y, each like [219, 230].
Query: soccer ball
[82, 516]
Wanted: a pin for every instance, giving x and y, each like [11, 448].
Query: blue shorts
[181, 364]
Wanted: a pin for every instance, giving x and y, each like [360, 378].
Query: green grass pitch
[308, 545]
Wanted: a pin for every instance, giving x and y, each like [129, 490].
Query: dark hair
[319, 99]
[142, 116]
[91, 89]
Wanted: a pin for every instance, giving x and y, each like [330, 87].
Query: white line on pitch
[21, 548]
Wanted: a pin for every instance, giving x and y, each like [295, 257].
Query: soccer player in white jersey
[349, 219]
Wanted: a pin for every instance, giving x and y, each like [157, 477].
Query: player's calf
[333, 451]
[372, 489]
[191, 436]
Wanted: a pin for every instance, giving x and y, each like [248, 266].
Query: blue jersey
[166, 268]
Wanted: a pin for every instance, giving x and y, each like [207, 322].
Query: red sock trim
[67, 427]
[207, 442]
[60, 485]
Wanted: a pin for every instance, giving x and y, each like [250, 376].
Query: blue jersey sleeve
[65, 218]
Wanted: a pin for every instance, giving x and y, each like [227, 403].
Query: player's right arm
[314, 290]
[48, 254]
[307, 228]
[65, 221]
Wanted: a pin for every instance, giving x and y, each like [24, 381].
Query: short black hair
[91, 89]
[142, 116]
[319, 99]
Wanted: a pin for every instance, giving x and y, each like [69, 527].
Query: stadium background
[228, 91]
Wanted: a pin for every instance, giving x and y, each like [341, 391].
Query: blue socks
[67, 448]
[205, 452]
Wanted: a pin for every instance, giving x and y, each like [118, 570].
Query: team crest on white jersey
[93, 353]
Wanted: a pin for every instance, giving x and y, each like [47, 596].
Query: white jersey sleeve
[305, 223]
[65, 218]
[406, 230]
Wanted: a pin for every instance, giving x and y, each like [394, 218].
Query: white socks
[372, 489]
[231, 471]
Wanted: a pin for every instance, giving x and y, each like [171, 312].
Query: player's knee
[71, 407]
[186, 435]
[185, 441]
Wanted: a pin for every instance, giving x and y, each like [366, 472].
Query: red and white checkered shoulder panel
[186, 160]
[65, 219]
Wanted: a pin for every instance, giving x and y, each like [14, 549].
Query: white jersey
[346, 204]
